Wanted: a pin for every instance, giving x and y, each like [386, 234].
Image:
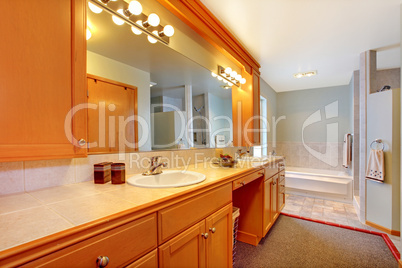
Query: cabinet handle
[81, 142]
[213, 230]
[242, 183]
[260, 173]
[102, 261]
[205, 235]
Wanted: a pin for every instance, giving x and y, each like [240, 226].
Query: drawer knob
[102, 261]
[205, 235]
[81, 142]
[213, 230]
[242, 183]
[260, 173]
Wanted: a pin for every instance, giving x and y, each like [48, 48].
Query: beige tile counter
[29, 216]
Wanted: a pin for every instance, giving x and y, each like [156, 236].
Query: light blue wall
[299, 105]
[220, 107]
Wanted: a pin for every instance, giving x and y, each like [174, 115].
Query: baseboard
[247, 238]
[384, 229]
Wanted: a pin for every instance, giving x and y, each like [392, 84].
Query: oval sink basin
[167, 179]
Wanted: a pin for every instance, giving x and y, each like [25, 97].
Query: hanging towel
[375, 166]
[346, 151]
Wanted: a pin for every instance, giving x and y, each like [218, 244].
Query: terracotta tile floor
[327, 210]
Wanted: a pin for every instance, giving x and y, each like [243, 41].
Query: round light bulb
[153, 19]
[89, 34]
[135, 30]
[238, 77]
[220, 78]
[243, 81]
[230, 84]
[228, 70]
[135, 7]
[151, 39]
[214, 74]
[117, 20]
[233, 74]
[168, 30]
[94, 9]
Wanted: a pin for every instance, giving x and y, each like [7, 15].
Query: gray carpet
[295, 242]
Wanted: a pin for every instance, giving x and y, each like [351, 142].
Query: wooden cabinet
[148, 261]
[112, 127]
[121, 245]
[42, 78]
[260, 201]
[205, 244]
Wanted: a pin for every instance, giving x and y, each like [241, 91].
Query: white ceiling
[290, 36]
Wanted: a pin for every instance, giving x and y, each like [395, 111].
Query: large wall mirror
[179, 103]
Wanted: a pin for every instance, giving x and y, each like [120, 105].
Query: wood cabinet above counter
[43, 78]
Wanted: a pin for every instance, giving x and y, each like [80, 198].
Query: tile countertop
[29, 216]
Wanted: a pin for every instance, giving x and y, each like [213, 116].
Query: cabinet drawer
[282, 176]
[177, 218]
[148, 261]
[247, 179]
[121, 245]
[281, 165]
[270, 171]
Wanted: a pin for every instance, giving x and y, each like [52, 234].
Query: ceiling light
[151, 39]
[117, 20]
[94, 9]
[168, 30]
[151, 84]
[135, 8]
[305, 74]
[89, 34]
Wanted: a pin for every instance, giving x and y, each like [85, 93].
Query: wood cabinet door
[42, 77]
[186, 249]
[148, 261]
[274, 199]
[111, 123]
[219, 241]
[268, 213]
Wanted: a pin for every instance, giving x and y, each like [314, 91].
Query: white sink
[167, 179]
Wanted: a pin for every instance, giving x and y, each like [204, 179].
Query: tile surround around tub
[296, 155]
[17, 177]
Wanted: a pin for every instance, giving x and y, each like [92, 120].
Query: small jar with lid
[118, 173]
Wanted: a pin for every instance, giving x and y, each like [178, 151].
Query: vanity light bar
[305, 74]
[231, 76]
[130, 22]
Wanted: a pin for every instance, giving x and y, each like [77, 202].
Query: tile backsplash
[16, 177]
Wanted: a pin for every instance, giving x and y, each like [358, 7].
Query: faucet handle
[155, 160]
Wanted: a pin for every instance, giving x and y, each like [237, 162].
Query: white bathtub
[319, 183]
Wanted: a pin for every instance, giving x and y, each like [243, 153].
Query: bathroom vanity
[189, 226]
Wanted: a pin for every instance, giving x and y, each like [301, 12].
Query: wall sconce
[141, 25]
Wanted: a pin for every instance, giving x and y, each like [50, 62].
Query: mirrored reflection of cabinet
[111, 123]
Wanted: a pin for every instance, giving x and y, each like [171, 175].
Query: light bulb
[151, 39]
[230, 84]
[94, 9]
[89, 34]
[214, 74]
[233, 74]
[135, 30]
[238, 77]
[135, 7]
[220, 78]
[243, 81]
[117, 20]
[153, 19]
[228, 70]
[168, 30]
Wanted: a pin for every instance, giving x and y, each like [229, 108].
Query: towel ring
[377, 141]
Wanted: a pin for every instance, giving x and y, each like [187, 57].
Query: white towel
[375, 166]
[346, 151]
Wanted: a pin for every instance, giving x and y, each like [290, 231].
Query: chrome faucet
[239, 154]
[156, 166]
